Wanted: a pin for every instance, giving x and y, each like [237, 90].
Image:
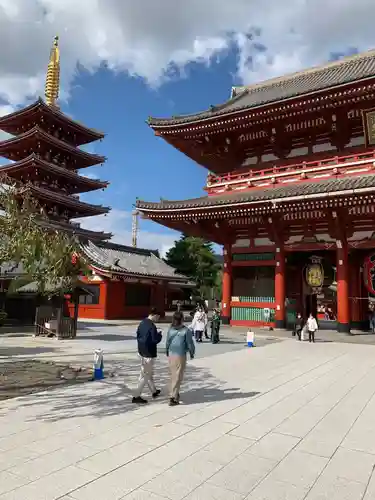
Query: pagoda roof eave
[271, 196]
[87, 209]
[349, 70]
[91, 159]
[90, 133]
[80, 232]
[34, 160]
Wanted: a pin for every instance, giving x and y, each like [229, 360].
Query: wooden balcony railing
[318, 168]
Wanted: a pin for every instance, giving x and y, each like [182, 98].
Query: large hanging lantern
[369, 273]
[314, 274]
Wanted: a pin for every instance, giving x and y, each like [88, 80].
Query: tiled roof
[344, 71]
[116, 259]
[85, 208]
[121, 259]
[268, 194]
[34, 161]
[33, 287]
[86, 135]
[76, 229]
[37, 134]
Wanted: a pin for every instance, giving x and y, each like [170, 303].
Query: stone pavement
[287, 421]
[117, 342]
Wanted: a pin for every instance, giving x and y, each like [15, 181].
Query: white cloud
[153, 38]
[5, 109]
[90, 175]
[119, 222]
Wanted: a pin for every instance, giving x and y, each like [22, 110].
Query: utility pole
[134, 228]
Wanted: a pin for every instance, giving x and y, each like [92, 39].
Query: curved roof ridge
[307, 71]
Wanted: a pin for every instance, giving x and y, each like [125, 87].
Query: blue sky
[139, 163]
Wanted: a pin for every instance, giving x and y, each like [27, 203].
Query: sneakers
[138, 400]
[173, 402]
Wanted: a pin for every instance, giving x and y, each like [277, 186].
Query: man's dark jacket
[148, 338]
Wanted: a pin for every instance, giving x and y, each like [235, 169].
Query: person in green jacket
[215, 326]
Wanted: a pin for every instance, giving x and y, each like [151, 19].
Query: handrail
[233, 178]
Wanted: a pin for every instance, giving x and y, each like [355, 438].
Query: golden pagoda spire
[53, 75]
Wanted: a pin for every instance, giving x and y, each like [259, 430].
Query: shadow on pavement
[25, 351]
[113, 397]
[107, 337]
[82, 325]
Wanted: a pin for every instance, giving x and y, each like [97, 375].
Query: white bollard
[250, 338]
[98, 365]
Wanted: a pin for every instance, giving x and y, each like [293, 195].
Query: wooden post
[226, 286]
[76, 310]
[59, 317]
[280, 288]
[342, 277]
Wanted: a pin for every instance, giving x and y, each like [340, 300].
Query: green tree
[49, 258]
[194, 257]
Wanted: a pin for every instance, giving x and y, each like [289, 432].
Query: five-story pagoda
[46, 157]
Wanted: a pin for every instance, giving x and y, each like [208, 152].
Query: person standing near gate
[215, 326]
[298, 325]
[199, 324]
[148, 338]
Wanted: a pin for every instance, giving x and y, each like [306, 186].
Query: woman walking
[179, 343]
[199, 324]
[312, 327]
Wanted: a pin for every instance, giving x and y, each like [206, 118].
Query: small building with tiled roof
[290, 194]
[125, 282]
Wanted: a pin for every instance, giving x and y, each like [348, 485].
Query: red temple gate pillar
[280, 288]
[226, 286]
[342, 278]
[364, 300]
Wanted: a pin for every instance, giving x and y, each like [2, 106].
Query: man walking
[148, 337]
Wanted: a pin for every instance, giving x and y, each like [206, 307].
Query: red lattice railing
[291, 169]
